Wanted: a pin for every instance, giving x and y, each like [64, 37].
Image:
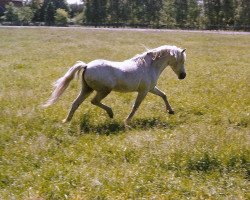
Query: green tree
[213, 13]
[152, 11]
[181, 8]
[48, 5]
[36, 6]
[138, 12]
[61, 17]
[96, 11]
[114, 11]
[25, 15]
[145, 12]
[50, 12]
[11, 13]
[228, 12]
[88, 11]
[242, 14]
[194, 12]
[167, 14]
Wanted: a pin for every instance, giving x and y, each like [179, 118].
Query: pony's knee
[164, 96]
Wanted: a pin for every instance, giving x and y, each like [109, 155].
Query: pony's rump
[62, 83]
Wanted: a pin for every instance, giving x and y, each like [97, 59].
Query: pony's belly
[125, 88]
[105, 84]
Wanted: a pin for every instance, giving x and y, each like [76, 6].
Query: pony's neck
[160, 65]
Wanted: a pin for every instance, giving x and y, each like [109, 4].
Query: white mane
[158, 53]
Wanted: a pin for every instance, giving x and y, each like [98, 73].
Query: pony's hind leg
[85, 92]
[97, 101]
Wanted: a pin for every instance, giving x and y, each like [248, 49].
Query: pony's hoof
[171, 112]
[127, 127]
[126, 124]
[111, 115]
[64, 121]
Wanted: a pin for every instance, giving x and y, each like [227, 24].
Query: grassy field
[202, 152]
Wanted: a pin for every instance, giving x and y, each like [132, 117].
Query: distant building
[17, 3]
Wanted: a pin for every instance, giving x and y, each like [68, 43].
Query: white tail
[62, 83]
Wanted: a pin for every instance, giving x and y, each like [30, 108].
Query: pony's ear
[183, 50]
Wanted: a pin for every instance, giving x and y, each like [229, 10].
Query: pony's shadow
[116, 127]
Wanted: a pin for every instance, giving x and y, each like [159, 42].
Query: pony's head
[177, 62]
[169, 55]
[163, 56]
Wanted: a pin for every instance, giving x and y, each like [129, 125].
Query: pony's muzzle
[182, 75]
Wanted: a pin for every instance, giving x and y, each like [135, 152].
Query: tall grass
[202, 152]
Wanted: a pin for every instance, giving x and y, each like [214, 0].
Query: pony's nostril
[182, 75]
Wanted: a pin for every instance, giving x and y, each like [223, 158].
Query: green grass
[202, 152]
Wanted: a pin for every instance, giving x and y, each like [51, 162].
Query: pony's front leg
[139, 99]
[158, 92]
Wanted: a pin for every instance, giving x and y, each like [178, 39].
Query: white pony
[138, 74]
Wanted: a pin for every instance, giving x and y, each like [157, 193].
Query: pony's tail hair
[62, 83]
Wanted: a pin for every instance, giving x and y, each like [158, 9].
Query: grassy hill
[202, 152]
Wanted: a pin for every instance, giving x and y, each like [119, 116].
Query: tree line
[185, 14]
[194, 14]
